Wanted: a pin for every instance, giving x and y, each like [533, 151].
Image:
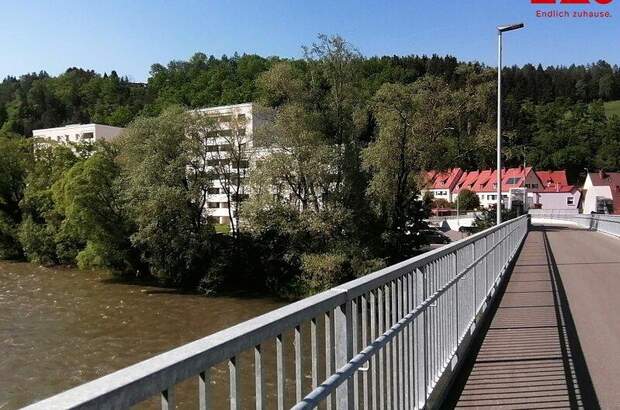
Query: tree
[411, 120]
[441, 203]
[468, 200]
[43, 235]
[15, 158]
[608, 156]
[166, 182]
[92, 200]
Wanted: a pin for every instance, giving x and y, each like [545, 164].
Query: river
[60, 327]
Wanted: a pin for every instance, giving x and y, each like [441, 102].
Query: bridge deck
[554, 341]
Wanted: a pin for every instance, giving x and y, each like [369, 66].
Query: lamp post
[458, 221]
[501, 30]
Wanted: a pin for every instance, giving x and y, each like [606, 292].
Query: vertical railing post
[204, 381]
[456, 302]
[167, 399]
[343, 343]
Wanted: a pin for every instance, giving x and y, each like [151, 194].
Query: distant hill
[612, 108]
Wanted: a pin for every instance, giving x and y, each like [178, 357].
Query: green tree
[608, 156]
[166, 184]
[44, 236]
[468, 200]
[411, 120]
[15, 158]
[91, 197]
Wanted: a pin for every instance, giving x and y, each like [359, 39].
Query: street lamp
[500, 31]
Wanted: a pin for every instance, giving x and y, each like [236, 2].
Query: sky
[130, 36]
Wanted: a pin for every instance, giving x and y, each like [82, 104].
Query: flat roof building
[78, 133]
[232, 153]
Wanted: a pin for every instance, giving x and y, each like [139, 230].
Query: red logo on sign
[570, 1]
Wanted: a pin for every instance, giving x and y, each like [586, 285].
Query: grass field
[222, 228]
[612, 108]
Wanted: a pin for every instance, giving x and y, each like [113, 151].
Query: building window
[570, 201]
[213, 191]
[88, 135]
[512, 181]
[213, 204]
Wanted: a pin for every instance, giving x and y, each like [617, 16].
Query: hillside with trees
[340, 196]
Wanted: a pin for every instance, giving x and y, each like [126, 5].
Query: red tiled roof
[511, 178]
[467, 180]
[485, 181]
[559, 188]
[551, 178]
[612, 180]
[443, 180]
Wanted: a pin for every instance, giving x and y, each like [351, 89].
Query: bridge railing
[609, 224]
[391, 339]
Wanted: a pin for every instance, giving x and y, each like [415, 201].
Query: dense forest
[351, 136]
[537, 100]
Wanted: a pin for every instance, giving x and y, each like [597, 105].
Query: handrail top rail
[373, 280]
[598, 217]
[151, 376]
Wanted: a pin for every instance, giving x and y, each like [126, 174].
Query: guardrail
[391, 339]
[609, 224]
[461, 216]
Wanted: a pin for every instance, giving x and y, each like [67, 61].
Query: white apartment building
[235, 125]
[78, 133]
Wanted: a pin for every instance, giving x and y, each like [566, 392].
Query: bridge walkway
[554, 340]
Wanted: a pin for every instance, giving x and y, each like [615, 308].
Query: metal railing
[386, 340]
[463, 215]
[609, 224]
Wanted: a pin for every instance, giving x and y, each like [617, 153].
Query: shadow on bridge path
[554, 339]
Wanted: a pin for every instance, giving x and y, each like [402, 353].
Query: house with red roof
[555, 193]
[514, 182]
[539, 189]
[602, 193]
[441, 183]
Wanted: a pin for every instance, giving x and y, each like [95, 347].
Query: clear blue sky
[130, 35]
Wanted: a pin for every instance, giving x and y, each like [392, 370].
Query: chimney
[602, 174]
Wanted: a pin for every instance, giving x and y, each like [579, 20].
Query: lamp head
[511, 27]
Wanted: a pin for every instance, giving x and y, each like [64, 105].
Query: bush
[442, 203]
[10, 247]
[37, 242]
[468, 200]
[322, 271]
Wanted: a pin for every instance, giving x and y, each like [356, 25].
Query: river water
[61, 327]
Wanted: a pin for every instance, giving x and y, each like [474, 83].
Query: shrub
[322, 271]
[468, 200]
